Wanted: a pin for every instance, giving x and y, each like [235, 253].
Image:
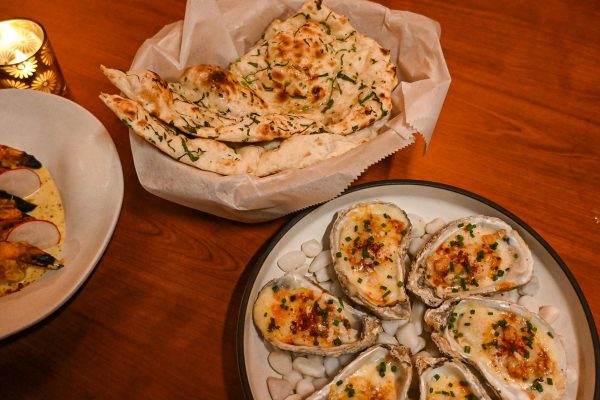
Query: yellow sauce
[49, 207]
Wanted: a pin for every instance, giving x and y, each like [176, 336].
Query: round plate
[81, 157]
[429, 200]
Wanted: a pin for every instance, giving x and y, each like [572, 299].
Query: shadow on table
[230, 357]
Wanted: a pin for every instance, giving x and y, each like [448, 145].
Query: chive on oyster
[516, 351]
[368, 244]
[443, 378]
[380, 372]
[295, 314]
[474, 255]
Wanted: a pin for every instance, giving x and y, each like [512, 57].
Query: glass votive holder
[26, 58]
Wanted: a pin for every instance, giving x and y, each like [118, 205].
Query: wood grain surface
[157, 319]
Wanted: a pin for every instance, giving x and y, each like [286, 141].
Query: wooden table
[157, 319]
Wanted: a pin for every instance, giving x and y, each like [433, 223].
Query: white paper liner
[218, 32]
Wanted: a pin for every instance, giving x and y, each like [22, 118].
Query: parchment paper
[218, 32]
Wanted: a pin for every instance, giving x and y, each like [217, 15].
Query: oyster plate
[429, 200]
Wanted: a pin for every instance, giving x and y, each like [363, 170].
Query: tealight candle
[26, 58]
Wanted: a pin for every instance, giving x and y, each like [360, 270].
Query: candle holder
[27, 60]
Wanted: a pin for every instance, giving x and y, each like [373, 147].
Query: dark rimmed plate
[429, 200]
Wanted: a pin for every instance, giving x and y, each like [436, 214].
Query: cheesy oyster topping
[470, 258]
[512, 345]
[303, 317]
[370, 382]
[368, 244]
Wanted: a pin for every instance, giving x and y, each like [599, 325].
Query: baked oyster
[474, 255]
[517, 352]
[368, 243]
[295, 314]
[443, 378]
[380, 372]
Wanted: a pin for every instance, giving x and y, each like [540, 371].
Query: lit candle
[26, 58]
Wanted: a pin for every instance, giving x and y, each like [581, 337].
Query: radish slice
[39, 233]
[21, 182]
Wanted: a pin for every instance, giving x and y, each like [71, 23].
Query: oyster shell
[473, 255]
[368, 243]
[380, 372]
[442, 378]
[517, 352]
[295, 314]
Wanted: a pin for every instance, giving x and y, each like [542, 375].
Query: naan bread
[311, 84]
[210, 155]
[315, 64]
[214, 107]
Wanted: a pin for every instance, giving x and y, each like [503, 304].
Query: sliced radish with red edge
[21, 182]
[37, 232]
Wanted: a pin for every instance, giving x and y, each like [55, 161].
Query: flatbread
[311, 84]
[211, 155]
[215, 107]
[315, 64]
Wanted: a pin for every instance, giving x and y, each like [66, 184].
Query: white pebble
[279, 389]
[322, 275]
[291, 261]
[418, 327]
[385, 338]
[418, 225]
[549, 313]
[311, 248]
[316, 358]
[332, 365]
[415, 245]
[309, 367]
[303, 270]
[418, 346]
[530, 303]
[391, 326]
[294, 397]
[320, 261]
[531, 288]
[407, 335]
[305, 387]
[417, 311]
[434, 225]
[280, 361]
[319, 383]
[345, 359]
[293, 377]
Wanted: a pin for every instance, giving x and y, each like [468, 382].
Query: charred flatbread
[311, 83]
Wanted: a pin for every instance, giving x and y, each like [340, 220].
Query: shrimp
[17, 257]
[12, 158]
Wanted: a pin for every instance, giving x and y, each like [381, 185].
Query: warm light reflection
[18, 38]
